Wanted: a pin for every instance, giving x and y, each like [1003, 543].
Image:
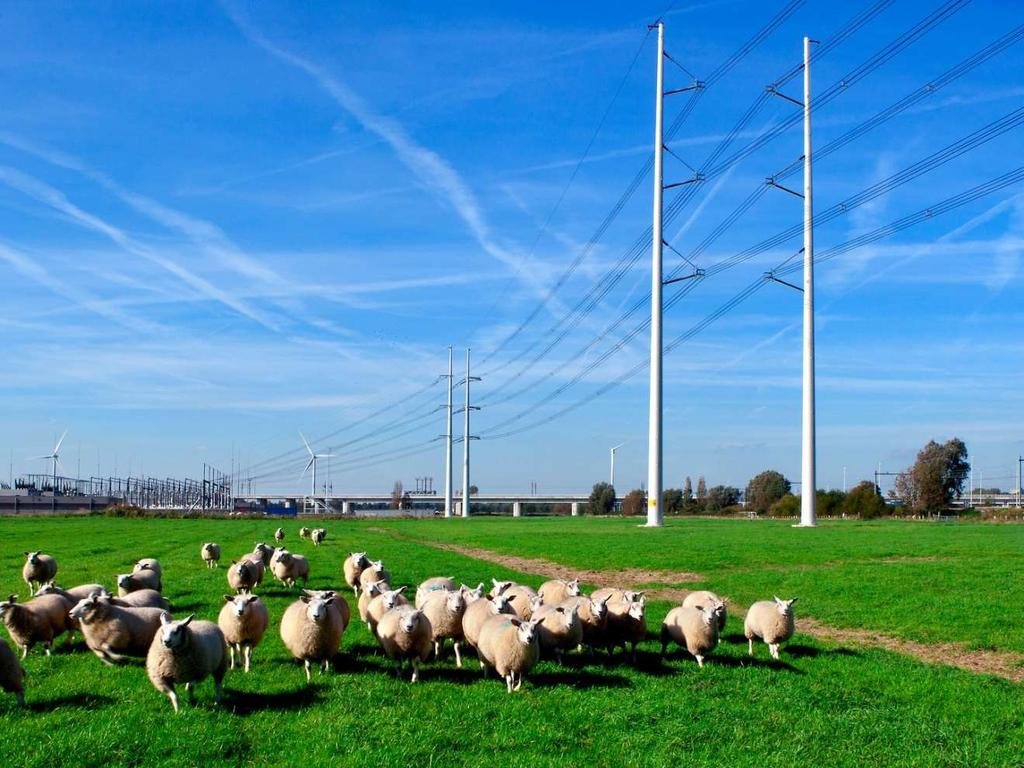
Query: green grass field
[822, 704]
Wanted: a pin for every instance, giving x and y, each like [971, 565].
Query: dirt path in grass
[1005, 664]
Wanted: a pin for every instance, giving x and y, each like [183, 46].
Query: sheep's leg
[750, 645]
[24, 651]
[327, 666]
[437, 650]
[47, 646]
[458, 655]
[415, 670]
[508, 682]
[231, 655]
[700, 660]
[190, 688]
[773, 648]
[309, 677]
[519, 680]
[398, 669]
[218, 690]
[248, 656]
[173, 696]
[21, 699]
[559, 655]
[114, 657]
[664, 648]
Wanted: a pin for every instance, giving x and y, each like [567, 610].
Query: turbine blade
[308, 465]
[38, 458]
[306, 443]
[55, 450]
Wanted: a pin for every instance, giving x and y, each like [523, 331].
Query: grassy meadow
[822, 704]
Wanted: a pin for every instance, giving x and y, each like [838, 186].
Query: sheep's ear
[188, 620]
[790, 602]
[400, 590]
[305, 599]
[778, 600]
[165, 618]
[229, 598]
[234, 562]
[12, 599]
[27, 554]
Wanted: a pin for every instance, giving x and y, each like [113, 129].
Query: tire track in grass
[1004, 664]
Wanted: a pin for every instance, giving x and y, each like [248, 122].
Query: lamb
[148, 564]
[704, 597]
[279, 535]
[366, 597]
[693, 627]
[558, 627]
[12, 675]
[432, 586]
[337, 600]
[318, 535]
[73, 594]
[210, 553]
[311, 630]
[615, 595]
[406, 634]
[353, 566]
[245, 575]
[478, 612]
[38, 570]
[114, 632]
[243, 619]
[375, 571]
[186, 652]
[263, 552]
[499, 587]
[144, 579]
[593, 615]
[510, 645]
[445, 610]
[627, 624]
[41, 620]
[771, 622]
[558, 591]
[304, 532]
[381, 604]
[521, 598]
[289, 568]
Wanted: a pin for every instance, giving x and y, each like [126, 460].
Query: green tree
[474, 491]
[830, 502]
[396, 495]
[720, 497]
[634, 503]
[672, 500]
[602, 499]
[787, 506]
[702, 494]
[864, 501]
[765, 489]
[936, 478]
[687, 490]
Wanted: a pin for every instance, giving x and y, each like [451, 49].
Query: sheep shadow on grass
[249, 702]
[79, 701]
[580, 679]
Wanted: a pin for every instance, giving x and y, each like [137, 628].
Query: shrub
[787, 506]
[830, 503]
[865, 502]
[602, 499]
[720, 497]
[672, 501]
[765, 489]
[635, 503]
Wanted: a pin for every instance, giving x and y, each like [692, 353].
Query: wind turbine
[55, 457]
[612, 451]
[312, 463]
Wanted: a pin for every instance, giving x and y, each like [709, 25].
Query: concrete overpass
[331, 502]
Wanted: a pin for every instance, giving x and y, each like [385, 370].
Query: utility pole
[1020, 463]
[466, 439]
[844, 479]
[448, 444]
[612, 450]
[808, 511]
[654, 422]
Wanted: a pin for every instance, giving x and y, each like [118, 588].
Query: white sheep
[431, 586]
[41, 620]
[615, 595]
[311, 630]
[148, 564]
[144, 579]
[626, 624]
[71, 594]
[337, 600]
[692, 627]
[703, 597]
[381, 604]
[38, 570]
[279, 535]
[445, 610]
[375, 571]
[499, 587]
[113, 632]
[593, 615]
[558, 628]
[521, 598]
[770, 621]
[405, 633]
[558, 591]
[478, 612]
[186, 652]
[510, 646]
[353, 566]
[288, 567]
[245, 575]
[12, 674]
[243, 620]
[141, 598]
[263, 552]
[366, 597]
[318, 535]
[304, 532]
[210, 552]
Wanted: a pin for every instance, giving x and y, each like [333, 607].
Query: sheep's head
[636, 610]
[390, 597]
[33, 557]
[359, 559]
[526, 631]
[316, 608]
[472, 594]
[599, 608]
[124, 580]
[456, 601]
[209, 547]
[174, 635]
[91, 608]
[378, 566]
[244, 571]
[502, 604]
[500, 586]
[707, 615]
[375, 588]
[410, 620]
[49, 588]
[7, 605]
[572, 588]
[785, 606]
[535, 603]
[240, 602]
[283, 556]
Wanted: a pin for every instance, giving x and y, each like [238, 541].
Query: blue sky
[221, 224]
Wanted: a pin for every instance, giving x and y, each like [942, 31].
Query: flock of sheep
[510, 626]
